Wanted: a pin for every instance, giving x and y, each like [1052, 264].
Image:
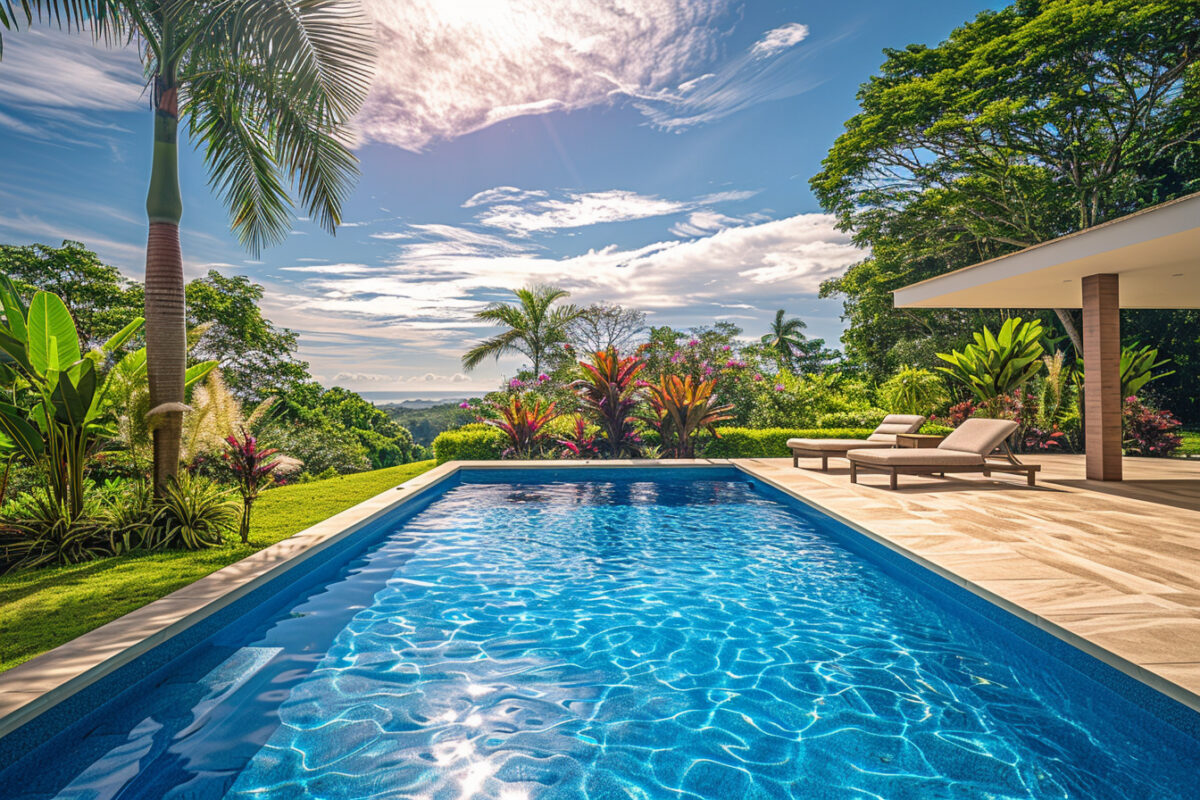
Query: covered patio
[1149, 259]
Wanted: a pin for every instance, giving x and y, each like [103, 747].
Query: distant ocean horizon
[382, 397]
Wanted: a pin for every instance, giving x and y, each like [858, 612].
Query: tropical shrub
[524, 426]
[997, 364]
[252, 469]
[679, 409]
[798, 401]
[321, 445]
[474, 442]
[862, 418]
[1138, 363]
[914, 391]
[608, 393]
[193, 513]
[55, 414]
[583, 441]
[1149, 431]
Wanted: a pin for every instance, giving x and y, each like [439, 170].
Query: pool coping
[35, 686]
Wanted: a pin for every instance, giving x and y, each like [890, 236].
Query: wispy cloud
[441, 288]
[86, 78]
[779, 39]
[521, 213]
[450, 68]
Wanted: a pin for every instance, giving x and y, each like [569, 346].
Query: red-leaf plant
[681, 408]
[581, 443]
[523, 425]
[609, 393]
[251, 468]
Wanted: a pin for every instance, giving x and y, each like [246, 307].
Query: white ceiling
[1156, 252]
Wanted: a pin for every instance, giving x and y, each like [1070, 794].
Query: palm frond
[106, 19]
[507, 342]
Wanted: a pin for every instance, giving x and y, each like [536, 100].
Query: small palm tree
[785, 339]
[533, 325]
[266, 87]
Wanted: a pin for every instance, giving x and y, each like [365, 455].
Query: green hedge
[478, 442]
[772, 442]
[475, 442]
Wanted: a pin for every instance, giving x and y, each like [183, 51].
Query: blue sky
[657, 156]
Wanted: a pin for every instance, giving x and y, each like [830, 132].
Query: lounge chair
[970, 448]
[883, 437]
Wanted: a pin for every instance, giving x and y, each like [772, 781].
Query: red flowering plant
[252, 470]
[1149, 431]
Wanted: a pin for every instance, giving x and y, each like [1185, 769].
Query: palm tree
[785, 339]
[533, 326]
[266, 87]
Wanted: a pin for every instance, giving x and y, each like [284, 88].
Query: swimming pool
[609, 634]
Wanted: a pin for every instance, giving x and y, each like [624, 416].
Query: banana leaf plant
[56, 408]
[1138, 363]
[998, 364]
[609, 394]
[681, 408]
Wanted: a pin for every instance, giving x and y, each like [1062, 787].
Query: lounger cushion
[833, 445]
[913, 457]
[980, 436]
[896, 423]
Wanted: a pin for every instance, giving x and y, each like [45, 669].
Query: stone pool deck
[1113, 568]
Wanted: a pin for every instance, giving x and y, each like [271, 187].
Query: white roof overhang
[1155, 251]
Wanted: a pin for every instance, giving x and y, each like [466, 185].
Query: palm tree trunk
[166, 334]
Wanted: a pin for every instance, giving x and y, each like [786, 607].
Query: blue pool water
[690, 636]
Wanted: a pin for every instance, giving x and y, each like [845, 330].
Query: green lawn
[41, 609]
[1191, 444]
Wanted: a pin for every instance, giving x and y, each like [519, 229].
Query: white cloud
[449, 68]
[521, 213]
[333, 269]
[780, 39]
[440, 288]
[360, 377]
[432, 377]
[703, 222]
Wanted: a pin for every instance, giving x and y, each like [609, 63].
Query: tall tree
[1027, 123]
[532, 326]
[267, 87]
[99, 298]
[602, 327]
[785, 339]
[257, 358]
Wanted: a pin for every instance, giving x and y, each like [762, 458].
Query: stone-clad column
[1102, 377]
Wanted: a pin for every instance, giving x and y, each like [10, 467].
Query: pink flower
[779, 387]
[758, 376]
[725, 349]
[516, 383]
[464, 404]
[675, 357]
[693, 342]
[641, 383]
[543, 377]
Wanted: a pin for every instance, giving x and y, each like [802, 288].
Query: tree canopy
[1027, 123]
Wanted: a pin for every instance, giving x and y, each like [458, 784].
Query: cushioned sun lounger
[970, 448]
[883, 437]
